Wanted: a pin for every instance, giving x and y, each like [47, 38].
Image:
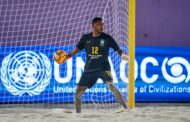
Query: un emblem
[26, 73]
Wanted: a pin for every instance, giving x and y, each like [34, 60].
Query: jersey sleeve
[80, 44]
[113, 44]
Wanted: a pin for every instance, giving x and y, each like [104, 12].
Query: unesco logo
[26, 73]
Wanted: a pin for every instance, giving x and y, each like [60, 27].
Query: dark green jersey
[97, 49]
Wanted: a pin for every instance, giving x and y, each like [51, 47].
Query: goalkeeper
[96, 45]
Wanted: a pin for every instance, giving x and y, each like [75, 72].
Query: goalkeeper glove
[125, 57]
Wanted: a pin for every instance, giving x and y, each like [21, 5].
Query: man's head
[97, 24]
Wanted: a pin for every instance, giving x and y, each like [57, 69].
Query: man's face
[98, 26]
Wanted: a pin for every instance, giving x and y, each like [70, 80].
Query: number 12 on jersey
[95, 50]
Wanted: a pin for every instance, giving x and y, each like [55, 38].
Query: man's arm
[123, 55]
[115, 46]
[72, 53]
[79, 46]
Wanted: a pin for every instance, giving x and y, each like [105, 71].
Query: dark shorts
[89, 79]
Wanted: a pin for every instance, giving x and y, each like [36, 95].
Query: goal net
[31, 30]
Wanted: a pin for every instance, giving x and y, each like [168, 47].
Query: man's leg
[116, 93]
[79, 92]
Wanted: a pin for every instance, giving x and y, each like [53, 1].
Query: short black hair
[96, 19]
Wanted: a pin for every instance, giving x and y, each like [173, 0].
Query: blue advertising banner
[29, 74]
[163, 74]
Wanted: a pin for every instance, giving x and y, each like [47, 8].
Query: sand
[142, 113]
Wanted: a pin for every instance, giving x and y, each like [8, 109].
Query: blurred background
[163, 50]
[163, 23]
